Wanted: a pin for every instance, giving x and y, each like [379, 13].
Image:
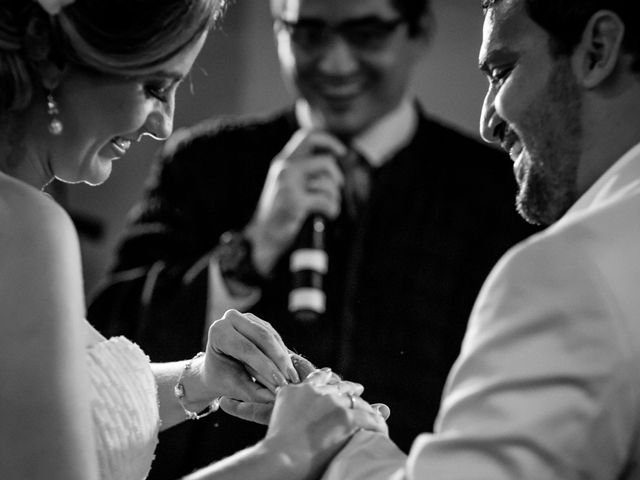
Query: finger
[269, 327]
[237, 382]
[322, 184]
[321, 192]
[382, 409]
[350, 388]
[306, 141]
[319, 377]
[303, 366]
[257, 347]
[321, 165]
[285, 366]
[346, 399]
[263, 334]
[260, 379]
[325, 383]
[321, 202]
[369, 420]
[366, 415]
[232, 361]
[335, 379]
[252, 412]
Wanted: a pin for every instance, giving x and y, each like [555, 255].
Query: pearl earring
[55, 125]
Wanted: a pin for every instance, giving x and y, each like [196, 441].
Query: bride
[80, 81]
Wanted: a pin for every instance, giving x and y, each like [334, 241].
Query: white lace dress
[125, 409]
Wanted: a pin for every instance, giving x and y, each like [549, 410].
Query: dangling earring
[55, 125]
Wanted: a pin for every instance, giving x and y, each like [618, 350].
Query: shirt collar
[622, 177]
[380, 141]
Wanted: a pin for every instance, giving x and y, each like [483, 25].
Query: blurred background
[238, 73]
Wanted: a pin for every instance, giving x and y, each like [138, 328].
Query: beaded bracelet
[179, 392]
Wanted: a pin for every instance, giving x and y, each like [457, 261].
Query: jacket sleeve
[543, 388]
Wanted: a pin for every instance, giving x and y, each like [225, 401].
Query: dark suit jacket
[401, 284]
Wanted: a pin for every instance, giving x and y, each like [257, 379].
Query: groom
[547, 385]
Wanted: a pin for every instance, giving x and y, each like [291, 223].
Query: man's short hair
[413, 11]
[565, 20]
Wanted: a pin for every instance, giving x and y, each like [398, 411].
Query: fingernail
[279, 379]
[326, 370]
[293, 375]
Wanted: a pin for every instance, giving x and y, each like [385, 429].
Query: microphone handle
[308, 265]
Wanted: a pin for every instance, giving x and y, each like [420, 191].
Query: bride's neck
[20, 156]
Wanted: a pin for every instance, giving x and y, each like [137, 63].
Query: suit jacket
[400, 286]
[547, 385]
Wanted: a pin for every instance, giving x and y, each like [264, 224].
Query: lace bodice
[125, 409]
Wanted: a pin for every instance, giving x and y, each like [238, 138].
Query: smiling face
[533, 110]
[103, 114]
[351, 78]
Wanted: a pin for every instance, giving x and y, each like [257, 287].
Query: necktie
[357, 176]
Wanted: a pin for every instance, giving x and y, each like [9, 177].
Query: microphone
[308, 265]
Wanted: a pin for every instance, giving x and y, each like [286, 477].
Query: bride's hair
[121, 37]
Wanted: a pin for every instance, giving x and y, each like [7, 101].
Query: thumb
[252, 412]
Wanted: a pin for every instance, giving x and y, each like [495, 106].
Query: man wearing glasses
[432, 215]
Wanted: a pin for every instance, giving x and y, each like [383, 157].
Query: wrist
[265, 250]
[191, 390]
[235, 257]
[282, 458]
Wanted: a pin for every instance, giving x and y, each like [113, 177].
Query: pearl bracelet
[179, 392]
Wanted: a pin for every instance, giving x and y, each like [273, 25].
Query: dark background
[237, 72]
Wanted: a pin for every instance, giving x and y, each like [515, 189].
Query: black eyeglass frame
[364, 34]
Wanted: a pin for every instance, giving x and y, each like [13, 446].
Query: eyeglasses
[366, 34]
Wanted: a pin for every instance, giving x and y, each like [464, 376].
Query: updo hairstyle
[121, 37]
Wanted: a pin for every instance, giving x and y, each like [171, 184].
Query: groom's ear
[599, 52]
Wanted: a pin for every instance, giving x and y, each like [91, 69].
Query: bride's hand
[258, 411]
[242, 348]
[313, 420]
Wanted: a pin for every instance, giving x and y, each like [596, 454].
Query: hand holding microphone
[304, 178]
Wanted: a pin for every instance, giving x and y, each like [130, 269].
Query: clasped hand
[245, 361]
[247, 364]
[312, 421]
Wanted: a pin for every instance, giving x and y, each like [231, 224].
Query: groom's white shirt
[547, 384]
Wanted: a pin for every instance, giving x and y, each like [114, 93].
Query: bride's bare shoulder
[30, 218]
[40, 266]
[23, 206]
